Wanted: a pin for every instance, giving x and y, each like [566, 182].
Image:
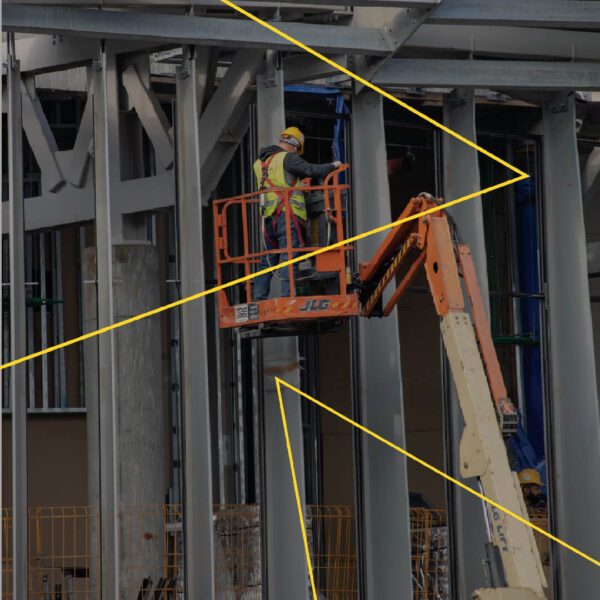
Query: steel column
[18, 335]
[572, 419]
[461, 177]
[467, 533]
[286, 570]
[105, 124]
[383, 501]
[199, 543]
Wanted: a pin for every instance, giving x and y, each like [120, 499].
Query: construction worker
[280, 166]
[531, 487]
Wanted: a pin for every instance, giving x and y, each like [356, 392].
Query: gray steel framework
[199, 541]
[466, 518]
[383, 503]
[105, 126]
[571, 409]
[18, 335]
[463, 27]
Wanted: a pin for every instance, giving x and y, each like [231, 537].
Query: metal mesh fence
[429, 554]
[332, 543]
[64, 560]
[63, 552]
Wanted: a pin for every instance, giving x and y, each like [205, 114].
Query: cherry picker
[431, 242]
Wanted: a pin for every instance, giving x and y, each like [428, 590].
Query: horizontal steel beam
[167, 28]
[48, 52]
[323, 4]
[304, 67]
[506, 42]
[531, 13]
[493, 74]
[44, 53]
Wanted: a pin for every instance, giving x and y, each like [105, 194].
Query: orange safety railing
[233, 218]
[64, 559]
[64, 552]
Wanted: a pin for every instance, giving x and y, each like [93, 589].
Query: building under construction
[153, 460]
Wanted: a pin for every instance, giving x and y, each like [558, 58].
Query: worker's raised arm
[296, 165]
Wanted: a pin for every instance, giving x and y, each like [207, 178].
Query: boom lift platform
[430, 241]
[319, 298]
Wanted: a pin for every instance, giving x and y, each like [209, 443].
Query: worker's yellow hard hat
[292, 135]
[530, 476]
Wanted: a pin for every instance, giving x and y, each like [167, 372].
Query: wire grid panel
[332, 542]
[64, 558]
[429, 554]
[151, 561]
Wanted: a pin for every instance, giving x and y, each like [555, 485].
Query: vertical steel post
[572, 414]
[18, 334]
[199, 544]
[105, 124]
[383, 500]
[286, 570]
[467, 533]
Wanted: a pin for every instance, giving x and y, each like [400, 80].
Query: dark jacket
[295, 166]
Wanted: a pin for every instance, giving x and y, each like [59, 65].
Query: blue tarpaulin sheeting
[340, 109]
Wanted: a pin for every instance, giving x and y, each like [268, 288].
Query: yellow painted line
[280, 382]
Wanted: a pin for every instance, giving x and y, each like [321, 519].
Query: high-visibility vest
[271, 174]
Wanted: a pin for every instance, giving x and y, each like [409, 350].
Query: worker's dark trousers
[275, 237]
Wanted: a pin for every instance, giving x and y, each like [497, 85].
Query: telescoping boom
[431, 241]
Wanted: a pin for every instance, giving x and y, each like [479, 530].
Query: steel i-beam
[198, 525]
[18, 337]
[104, 76]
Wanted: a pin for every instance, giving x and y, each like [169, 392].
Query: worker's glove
[336, 164]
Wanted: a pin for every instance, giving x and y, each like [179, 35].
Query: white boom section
[483, 455]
